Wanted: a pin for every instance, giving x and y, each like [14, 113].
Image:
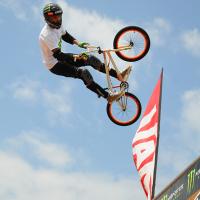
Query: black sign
[185, 187]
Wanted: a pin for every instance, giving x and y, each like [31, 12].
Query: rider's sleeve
[68, 38]
[60, 56]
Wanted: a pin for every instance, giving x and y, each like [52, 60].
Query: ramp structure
[185, 187]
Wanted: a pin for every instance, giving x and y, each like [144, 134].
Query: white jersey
[50, 39]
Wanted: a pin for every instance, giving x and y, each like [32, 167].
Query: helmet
[53, 15]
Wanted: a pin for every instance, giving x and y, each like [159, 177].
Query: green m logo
[191, 180]
[165, 197]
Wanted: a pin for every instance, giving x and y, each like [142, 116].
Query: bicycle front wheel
[135, 37]
[124, 111]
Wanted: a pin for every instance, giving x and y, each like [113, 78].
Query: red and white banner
[145, 142]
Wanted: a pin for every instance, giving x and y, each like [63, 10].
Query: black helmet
[50, 11]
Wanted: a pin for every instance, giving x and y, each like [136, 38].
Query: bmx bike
[130, 44]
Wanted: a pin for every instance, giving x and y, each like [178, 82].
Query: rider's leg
[68, 70]
[98, 65]
[65, 69]
[90, 84]
[87, 78]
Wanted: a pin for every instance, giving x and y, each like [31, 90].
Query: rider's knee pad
[86, 77]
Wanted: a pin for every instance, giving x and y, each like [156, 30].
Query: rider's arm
[70, 39]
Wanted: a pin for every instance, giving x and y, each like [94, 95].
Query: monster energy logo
[191, 180]
[47, 8]
[165, 197]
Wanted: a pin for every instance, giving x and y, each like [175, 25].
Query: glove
[84, 56]
[83, 45]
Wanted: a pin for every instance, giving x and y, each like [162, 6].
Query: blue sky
[56, 139]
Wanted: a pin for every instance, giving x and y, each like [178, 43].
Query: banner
[186, 186]
[146, 140]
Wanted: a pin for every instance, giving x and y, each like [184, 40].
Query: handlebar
[97, 49]
[100, 50]
[94, 49]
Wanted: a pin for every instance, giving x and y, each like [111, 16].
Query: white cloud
[191, 109]
[189, 122]
[56, 101]
[23, 10]
[158, 31]
[36, 12]
[20, 180]
[46, 151]
[183, 144]
[25, 90]
[191, 41]
[186, 135]
[17, 7]
[89, 25]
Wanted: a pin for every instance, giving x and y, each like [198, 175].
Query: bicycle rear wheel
[135, 37]
[125, 111]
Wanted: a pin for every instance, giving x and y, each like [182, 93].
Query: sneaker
[124, 73]
[115, 96]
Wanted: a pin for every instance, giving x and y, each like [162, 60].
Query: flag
[146, 140]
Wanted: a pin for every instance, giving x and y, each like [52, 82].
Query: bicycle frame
[107, 59]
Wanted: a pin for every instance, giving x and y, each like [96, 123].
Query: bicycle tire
[133, 102]
[136, 37]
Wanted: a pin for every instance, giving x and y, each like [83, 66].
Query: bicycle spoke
[136, 39]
